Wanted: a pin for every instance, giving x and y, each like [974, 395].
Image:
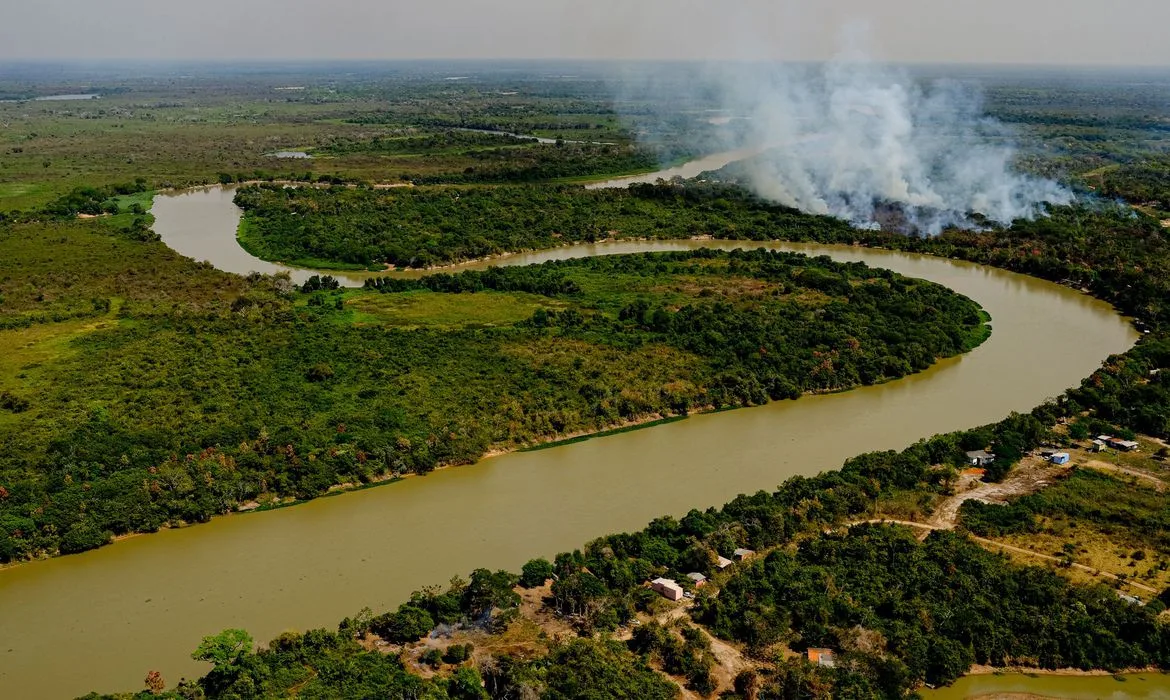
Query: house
[1118, 444]
[723, 563]
[1059, 458]
[822, 657]
[980, 458]
[699, 579]
[742, 554]
[667, 588]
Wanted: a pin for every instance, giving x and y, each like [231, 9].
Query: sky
[1068, 32]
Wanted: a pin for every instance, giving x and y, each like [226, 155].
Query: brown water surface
[102, 619]
[1135, 686]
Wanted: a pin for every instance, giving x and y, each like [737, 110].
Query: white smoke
[858, 140]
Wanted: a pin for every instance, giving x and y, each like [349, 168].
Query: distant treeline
[421, 227]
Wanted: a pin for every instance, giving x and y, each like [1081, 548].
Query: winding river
[102, 619]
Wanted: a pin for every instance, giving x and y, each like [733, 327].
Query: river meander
[102, 619]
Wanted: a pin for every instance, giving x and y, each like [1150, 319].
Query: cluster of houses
[670, 589]
[1105, 441]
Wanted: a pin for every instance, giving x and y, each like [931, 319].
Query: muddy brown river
[102, 619]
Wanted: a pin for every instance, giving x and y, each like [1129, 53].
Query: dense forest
[421, 227]
[175, 415]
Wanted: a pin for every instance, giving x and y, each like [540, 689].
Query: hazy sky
[1128, 32]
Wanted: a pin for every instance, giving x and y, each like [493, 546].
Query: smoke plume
[869, 144]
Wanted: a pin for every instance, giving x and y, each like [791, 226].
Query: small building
[822, 657]
[1098, 445]
[1059, 458]
[723, 563]
[667, 588]
[699, 579]
[742, 554]
[1132, 600]
[1117, 443]
[980, 458]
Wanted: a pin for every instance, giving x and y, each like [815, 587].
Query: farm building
[1118, 444]
[742, 554]
[822, 657]
[980, 458]
[667, 588]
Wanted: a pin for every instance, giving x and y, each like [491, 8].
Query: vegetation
[500, 158]
[422, 227]
[276, 395]
[139, 389]
[897, 611]
[906, 613]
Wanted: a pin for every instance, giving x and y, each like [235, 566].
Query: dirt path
[729, 660]
[1030, 476]
[1018, 550]
[730, 663]
[1117, 469]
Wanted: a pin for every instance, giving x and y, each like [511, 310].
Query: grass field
[447, 311]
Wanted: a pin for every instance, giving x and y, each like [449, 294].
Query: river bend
[102, 619]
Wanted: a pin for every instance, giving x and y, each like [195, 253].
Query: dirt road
[1019, 550]
[1031, 475]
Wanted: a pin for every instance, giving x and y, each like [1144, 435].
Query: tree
[486, 591]
[224, 650]
[408, 624]
[155, 683]
[535, 573]
[466, 684]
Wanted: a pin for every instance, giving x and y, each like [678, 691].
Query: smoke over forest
[866, 143]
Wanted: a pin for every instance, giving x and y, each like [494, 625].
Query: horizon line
[271, 61]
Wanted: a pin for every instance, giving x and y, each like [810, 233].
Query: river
[102, 619]
[1136, 686]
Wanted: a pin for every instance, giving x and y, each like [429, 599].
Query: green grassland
[1112, 522]
[176, 135]
[426, 309]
